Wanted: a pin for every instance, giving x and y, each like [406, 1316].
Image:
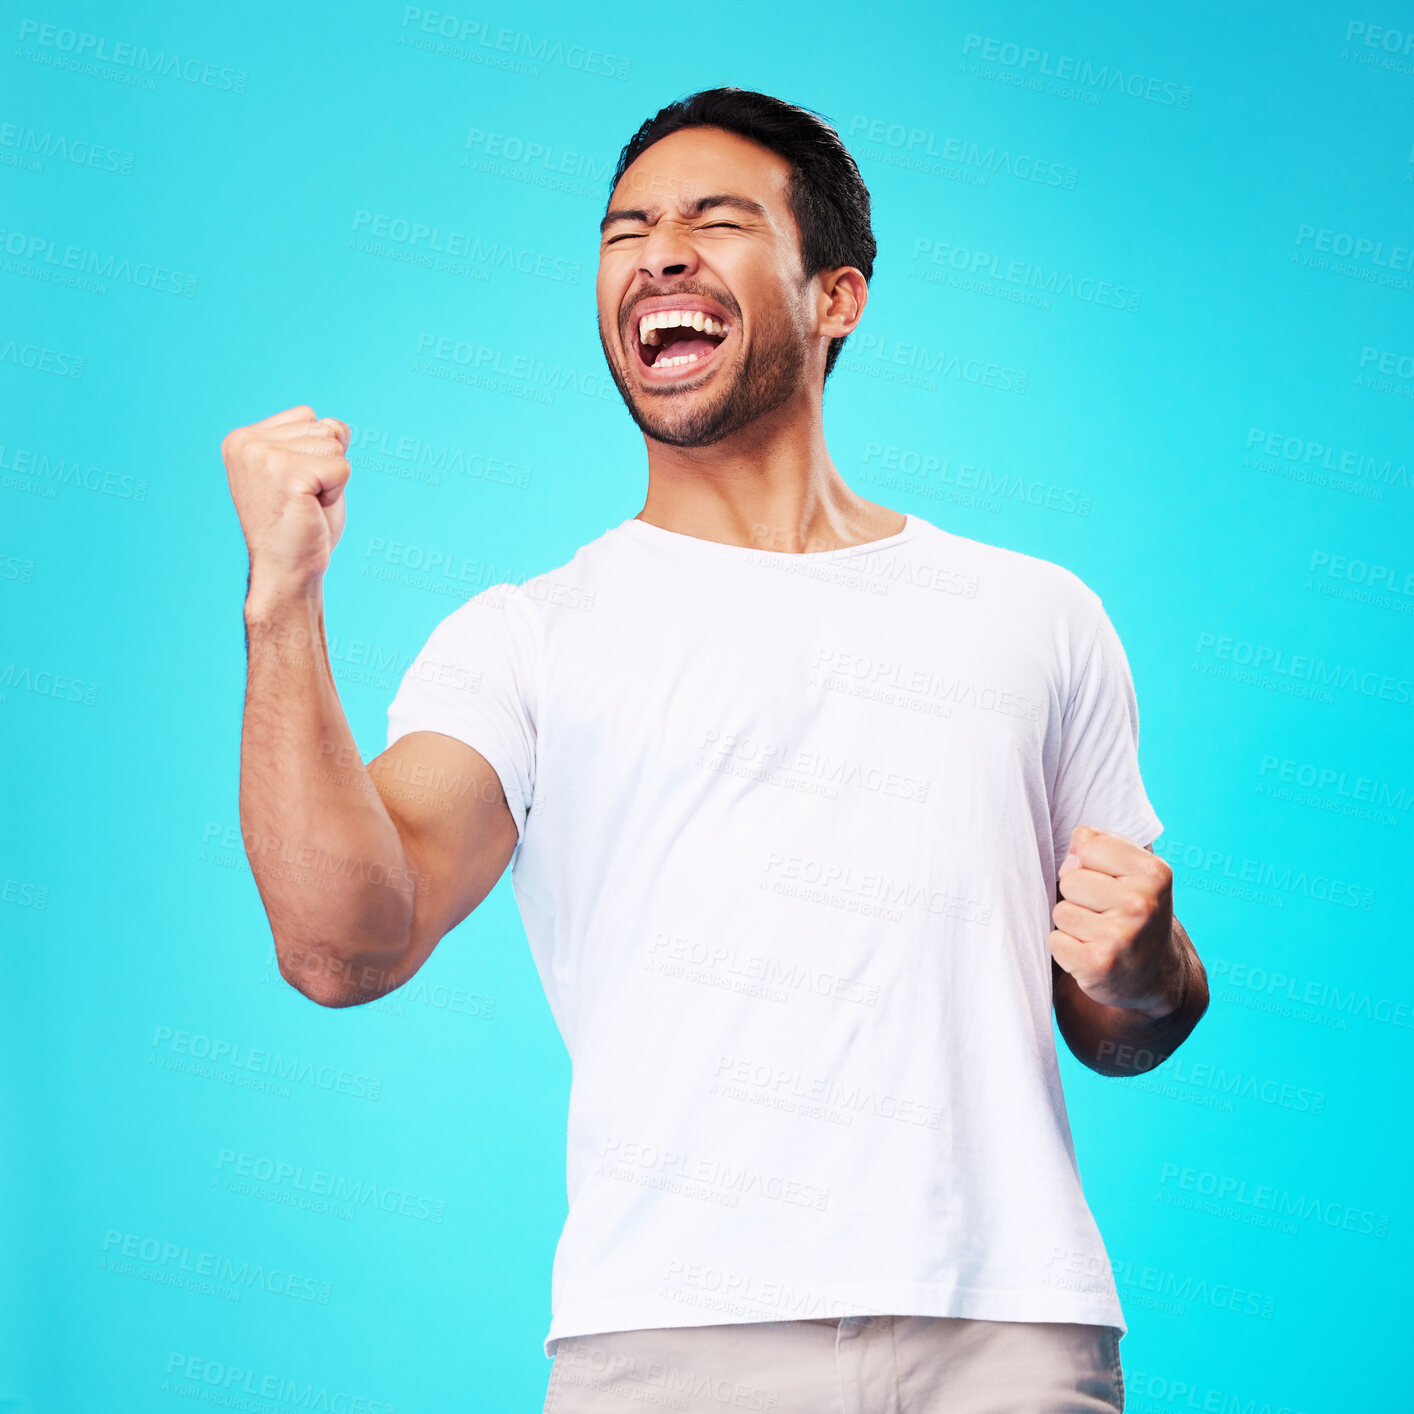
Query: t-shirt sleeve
[473, 680]
[1097, 780]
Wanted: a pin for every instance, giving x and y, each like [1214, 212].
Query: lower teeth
[673, 362]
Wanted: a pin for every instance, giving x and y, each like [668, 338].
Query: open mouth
[677, 342]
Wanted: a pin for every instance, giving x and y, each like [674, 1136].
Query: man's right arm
[362, 869]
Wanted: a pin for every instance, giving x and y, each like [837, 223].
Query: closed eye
[637, 235]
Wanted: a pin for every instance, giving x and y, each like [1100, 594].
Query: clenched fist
[287, 475]
[1114, 923]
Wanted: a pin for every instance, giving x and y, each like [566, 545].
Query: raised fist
[287, 475]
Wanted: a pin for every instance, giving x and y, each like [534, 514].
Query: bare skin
[769, 484]
[362, 869]
[1127, 982]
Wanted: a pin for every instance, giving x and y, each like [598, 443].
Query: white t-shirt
[789, 828]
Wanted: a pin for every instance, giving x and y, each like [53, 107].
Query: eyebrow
[694, 208]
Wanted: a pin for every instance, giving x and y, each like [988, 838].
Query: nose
[667, 250]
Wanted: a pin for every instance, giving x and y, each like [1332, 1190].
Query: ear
[843, 294]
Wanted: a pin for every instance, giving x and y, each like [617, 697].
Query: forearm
[327, 858]
[1119, 1041]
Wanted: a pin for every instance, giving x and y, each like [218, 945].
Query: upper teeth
[649, 324]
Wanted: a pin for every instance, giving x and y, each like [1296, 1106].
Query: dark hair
[827, 195]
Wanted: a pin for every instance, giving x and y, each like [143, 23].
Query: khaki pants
[849, 1365]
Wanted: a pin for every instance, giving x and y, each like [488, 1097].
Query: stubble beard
[768, 377]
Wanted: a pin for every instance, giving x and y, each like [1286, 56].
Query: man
[816, 810]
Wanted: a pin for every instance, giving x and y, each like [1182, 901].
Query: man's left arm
[1127, 982]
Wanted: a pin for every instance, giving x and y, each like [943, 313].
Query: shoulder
[520, 603]
[1046, 587]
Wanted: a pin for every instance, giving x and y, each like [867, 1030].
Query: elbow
[321, 994]
[320, 989]
[330, 981]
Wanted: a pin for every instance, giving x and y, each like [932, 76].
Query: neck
[770, 486]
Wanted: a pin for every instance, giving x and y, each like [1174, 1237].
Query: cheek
[608, 297]
[777, 307]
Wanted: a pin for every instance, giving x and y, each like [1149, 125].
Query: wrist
[269, 599]
[1179, 990]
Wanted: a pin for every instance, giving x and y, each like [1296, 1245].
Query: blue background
[1220, 451]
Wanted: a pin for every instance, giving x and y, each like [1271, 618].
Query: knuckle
[1136, 903]
[1120, 936]
[1158, 869]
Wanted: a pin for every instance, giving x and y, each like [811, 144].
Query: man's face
[700, 237]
